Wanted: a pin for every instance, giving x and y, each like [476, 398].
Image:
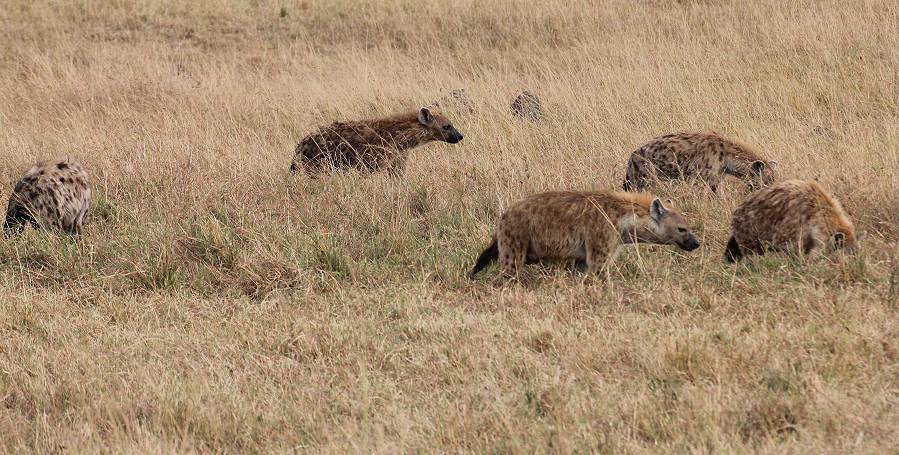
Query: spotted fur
[706, 157]
[372, 145]
[795, 215]
[55, 195]
[585, 229]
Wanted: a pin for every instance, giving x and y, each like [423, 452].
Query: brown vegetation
[216, 303]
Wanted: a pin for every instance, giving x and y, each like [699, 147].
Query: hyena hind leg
[732, 252]
[512, 257]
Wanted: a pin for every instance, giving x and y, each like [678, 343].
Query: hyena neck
[634, 228]
[404, 134]
[738, 166]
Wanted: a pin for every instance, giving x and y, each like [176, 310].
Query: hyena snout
[452, 135]
[762, 175]
[688, 243]
[673, 228]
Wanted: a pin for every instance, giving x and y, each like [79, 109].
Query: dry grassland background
[215, 303]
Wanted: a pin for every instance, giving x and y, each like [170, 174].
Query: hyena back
[54, 195]
[372, 145]
[585, 229]
[696, 156]
[790, 215]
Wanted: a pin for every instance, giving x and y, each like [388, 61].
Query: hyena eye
[447, 127]
[682, 230]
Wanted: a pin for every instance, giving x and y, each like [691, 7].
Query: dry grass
[216, 304]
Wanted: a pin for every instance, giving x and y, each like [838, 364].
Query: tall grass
[215, 303]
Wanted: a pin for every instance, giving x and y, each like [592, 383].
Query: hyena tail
[733, 253]
[489, 255]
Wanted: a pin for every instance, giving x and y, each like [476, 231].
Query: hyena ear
[425, 117]
[657, 211]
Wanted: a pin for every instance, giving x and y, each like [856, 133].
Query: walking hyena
[528, 106]
[581, 227]
[54, 195]
[372, 145]
[791, 215]
[690, 156]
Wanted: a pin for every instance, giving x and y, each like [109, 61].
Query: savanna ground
[215, 303]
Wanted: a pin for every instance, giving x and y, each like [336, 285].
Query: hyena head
[669, 227]
[439, 127]
[761, 173]
[846, 241]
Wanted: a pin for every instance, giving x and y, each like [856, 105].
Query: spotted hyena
[54, 195]
[527, 106]
[585, 229]
[707, 157]
[793, 215]
[372, 145]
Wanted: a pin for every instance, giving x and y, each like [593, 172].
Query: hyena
[790, 215]
[585, 229]
[696, 156]
[372, 145]
[528, 106]
[54, 195]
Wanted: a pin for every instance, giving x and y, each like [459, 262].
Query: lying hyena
[372, 145]
[580, 227]
[791, 215]
[53, 195]
[696, 156]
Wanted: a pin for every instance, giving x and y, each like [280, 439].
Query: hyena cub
[53, 195]
[696, 156]
[372, 145]
[585, 229]
[791, 215]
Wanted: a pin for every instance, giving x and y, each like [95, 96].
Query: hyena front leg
[597, 259]
[713, 181]
[704, 178]
[579, 268]
[812, 247]
[397, 166]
